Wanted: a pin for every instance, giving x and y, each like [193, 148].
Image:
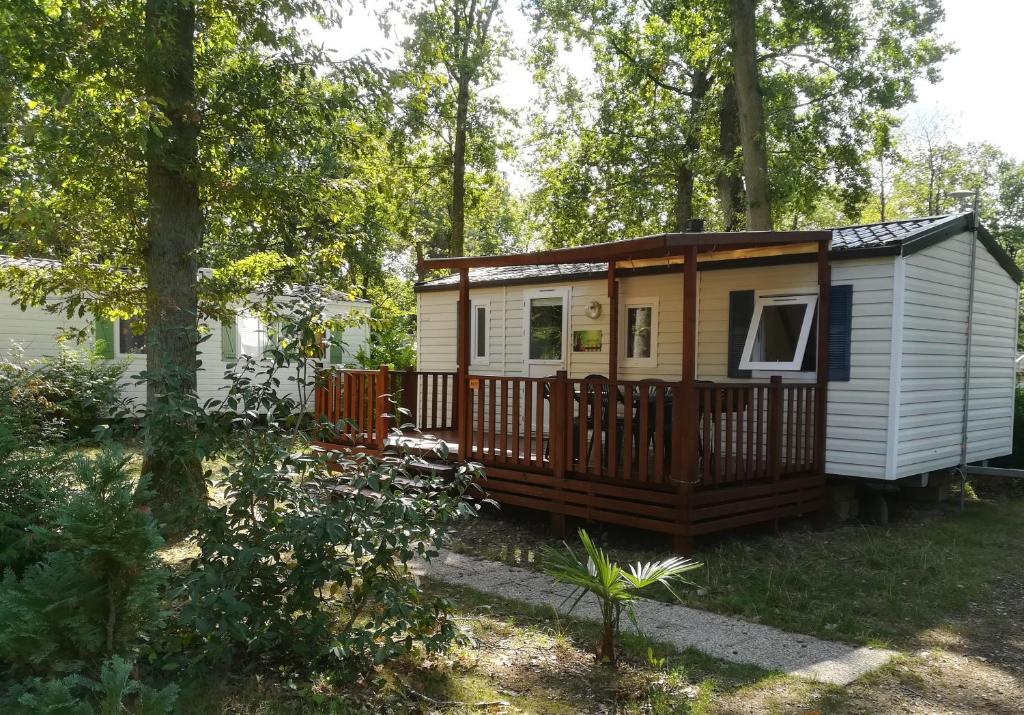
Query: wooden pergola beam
[665, 244]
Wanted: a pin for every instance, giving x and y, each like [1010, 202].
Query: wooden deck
[594, 449]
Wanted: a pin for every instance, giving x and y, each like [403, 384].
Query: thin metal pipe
[967, 350]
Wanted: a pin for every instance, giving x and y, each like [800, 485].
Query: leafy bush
[116, 691]
[33, 481]
[95, 591]
[69, 393]
[615, 588]
[288, 571]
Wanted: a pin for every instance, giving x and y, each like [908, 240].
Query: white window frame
[797, 296]
[529, 295]
[238, 336]
[475, 305]
[117, 343]
[651, 361]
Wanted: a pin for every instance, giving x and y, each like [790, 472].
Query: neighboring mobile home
[721, 375]
[39, 334]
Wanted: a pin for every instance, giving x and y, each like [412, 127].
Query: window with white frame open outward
[782, 333]
[480, 332]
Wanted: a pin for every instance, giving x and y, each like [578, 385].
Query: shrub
[116, 691]
[33, 482]
[615, 588]
[95, 591]
[289, 572]
[69, 393]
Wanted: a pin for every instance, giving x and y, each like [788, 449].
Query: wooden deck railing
[610, 451]
[626, 431]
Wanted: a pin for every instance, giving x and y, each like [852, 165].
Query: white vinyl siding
[37, 331]
[934, 358]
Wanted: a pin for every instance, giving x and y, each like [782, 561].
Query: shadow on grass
[866, 585]
[534, 661]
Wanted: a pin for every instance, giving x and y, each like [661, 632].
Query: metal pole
[967, 361]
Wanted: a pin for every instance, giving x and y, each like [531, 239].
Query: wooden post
[685, 407]
[821, 392]
[410, 388]
[557, 446]
[613, 373]
[465, 415]
[774, 438]
[383, 408]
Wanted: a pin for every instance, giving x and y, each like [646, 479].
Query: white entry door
[546, 328]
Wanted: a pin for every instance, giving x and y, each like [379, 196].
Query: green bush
[95, 591]
[290, 573]
[67, 394]
[33, 482]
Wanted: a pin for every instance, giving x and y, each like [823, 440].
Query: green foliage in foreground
[86, 594]
[614, 587]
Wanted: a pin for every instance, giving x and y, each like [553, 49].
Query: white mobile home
[902, 294]
[695, 382]
[39, 334]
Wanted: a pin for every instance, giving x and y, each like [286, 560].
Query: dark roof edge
[842, 255]
[931, 235]
[914, 242]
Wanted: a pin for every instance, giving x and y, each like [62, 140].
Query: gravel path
[722, 637]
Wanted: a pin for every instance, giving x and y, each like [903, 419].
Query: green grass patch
[868, 585]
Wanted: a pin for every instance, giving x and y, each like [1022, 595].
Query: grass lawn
[862, 584]
[945, 588]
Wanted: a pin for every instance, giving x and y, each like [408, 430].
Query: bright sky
[980, 88]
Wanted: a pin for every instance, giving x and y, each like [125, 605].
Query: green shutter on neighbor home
[336, 352]
[741, 312]
[104, 338]
[228, 341]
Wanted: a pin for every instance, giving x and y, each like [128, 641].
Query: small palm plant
[615, 588]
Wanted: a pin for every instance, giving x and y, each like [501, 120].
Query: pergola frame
[685, 248]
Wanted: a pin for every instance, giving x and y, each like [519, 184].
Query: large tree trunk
[171, 263]
[729, 183]
[751, 111]
[684, 196]
[457, 246]
[684, 173]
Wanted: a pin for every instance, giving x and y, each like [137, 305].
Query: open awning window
[779, 332]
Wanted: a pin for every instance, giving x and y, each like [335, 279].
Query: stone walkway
[722, 637]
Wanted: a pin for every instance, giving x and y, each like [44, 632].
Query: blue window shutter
[104, 344]
[228, 341]
[840, 321]
[741, 312]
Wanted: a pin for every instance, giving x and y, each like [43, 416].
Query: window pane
[779, 332]
[546, 329]
[131, 344]
[481, 331]
[638, 331]
[251, 336]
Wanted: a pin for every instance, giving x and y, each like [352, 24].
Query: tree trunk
[751, 111]
[684, 196]
[691, 148]
[175, 230]
[728, 181]
[457, 246]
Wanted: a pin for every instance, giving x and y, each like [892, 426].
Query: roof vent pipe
[696, 225]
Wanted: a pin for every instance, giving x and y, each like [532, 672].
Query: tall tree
[825, 70]
[463, 41]
[164, 140]
[750, 105]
